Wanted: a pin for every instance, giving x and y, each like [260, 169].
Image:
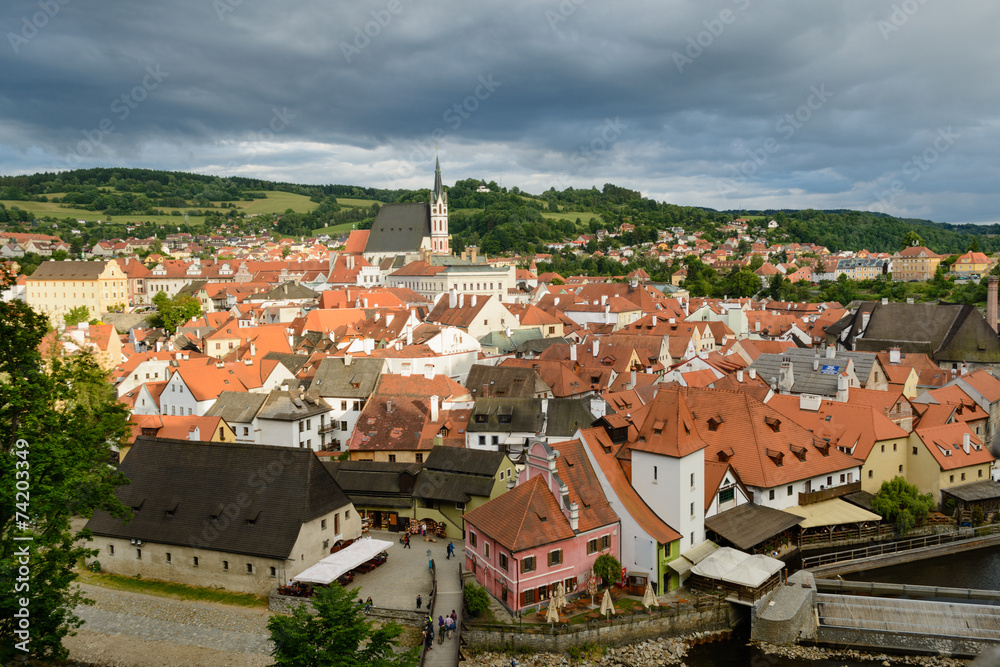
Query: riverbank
[678, 651]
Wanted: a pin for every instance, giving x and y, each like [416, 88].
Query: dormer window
[775, 456]
[658, 427]
[774, 423]
[715, 422]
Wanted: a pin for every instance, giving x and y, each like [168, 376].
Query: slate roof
[237, 407]
[565, 415]
[465, 461]
[525, 415]
[371, 483]
[809, 381]
[748, 525]
[197, 481]
[292, 405]
[505, 381]
[336, 379]
[399, 228]
[976, 491]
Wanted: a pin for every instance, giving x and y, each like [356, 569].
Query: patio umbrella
[607, 604]
[561, 595]
[649, 598]
[552, 615]
[592, 586]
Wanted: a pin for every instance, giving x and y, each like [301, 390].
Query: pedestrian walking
[420, 601]
[440, 629]
[451, 551]
[449, 625]
[406, 541]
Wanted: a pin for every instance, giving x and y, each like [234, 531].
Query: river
[970, 569]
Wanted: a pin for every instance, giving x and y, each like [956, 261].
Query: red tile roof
[525, 517]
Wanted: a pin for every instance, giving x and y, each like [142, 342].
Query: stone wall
[284, 604]
[624, 630]
[905, 642]
[786, 615]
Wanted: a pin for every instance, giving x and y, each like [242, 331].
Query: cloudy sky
[865, 104]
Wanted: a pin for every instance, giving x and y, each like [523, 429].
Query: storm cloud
[886, 106]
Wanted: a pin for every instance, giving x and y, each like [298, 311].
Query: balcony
[828, 493]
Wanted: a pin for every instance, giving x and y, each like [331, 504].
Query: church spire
[437, 178]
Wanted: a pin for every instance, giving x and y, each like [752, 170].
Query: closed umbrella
[561, 595]
[649, 598]
[552, 615]
[607, 604]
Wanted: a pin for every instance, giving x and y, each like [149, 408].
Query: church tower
[439, 215]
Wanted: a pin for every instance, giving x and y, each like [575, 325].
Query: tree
[76, 315]
[477, 600]
[337, 635]
[974, 246]
[173, 312]
[59, 418]
[911, 238]
[901, 502]
[607, 568]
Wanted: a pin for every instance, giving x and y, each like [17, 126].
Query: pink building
[548, 529]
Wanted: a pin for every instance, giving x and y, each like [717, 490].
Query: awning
[700, 551]
[748, 525]
[680, 565]
[736, 567]
[833, 512]
[345, 560]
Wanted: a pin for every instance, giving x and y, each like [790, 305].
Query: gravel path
[133, 630]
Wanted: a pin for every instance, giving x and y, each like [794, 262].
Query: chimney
[194, 434]
[461, 300]
[473, 252]
[786, 377]
[885, 301]
[654, 320]
[452, 298]
[473, 300]
[991, 302]
[510, 483]
[894, 355]
[574, 516]
[596, 348]
[350, 262]
[753, 373]
[966, 442]
[864, 321]
[429, 372]
[388, 407]
[756, 325]
[632, 381]
[831, 351]
[364, 302]
[965, 367]
[842, 388]
[816, 363]
[572, 352]
[434, 409]
[347, 359]
[253, 349]
[739, 376]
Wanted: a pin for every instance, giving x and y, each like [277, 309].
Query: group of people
[446, 625]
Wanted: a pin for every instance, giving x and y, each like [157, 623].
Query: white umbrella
[649, 598]
[561, 595]
[607, 604]
[552, 615]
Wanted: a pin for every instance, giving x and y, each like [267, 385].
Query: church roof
[400, 228]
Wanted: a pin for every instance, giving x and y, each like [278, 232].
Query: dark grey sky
[866, 104]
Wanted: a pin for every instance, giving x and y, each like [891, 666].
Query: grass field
[169, 589]
[335, 229]
[56, 211]
[278, 202]
[584, 216]
[359, 203]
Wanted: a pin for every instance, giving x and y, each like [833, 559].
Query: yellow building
[915, 263]
[944, 456]
[55, 288]
[971, 265]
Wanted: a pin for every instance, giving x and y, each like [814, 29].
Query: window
[692, 483]
[246, 430]
[870, 473]
[527, 564]
[555, 557]
[274, 573]
[343, 406]
[420, 457]
[692, 509]
[472, 538]
[343, 426]
[322, 524]
[195, 561]
[592, 546]
[392, 458]
[528, 597]
[168, 557]
[249, 568]
[770, 495]
[605, 542]
[486, 550]
[790, 489]
[502, 559]
[900, 469]
[309, 423]
[841, 478]
[460, 507]
[655, 472]
[951, 478]
[482, 440]
[727, 495]
[302, 427]
[883, 449]
[225, 565]
[894, 446]
[111, 549]
[963, 476]
[336, 523]
[495, 440]
[914, 451]
[357, 404]
[138, 554]
[347, 514]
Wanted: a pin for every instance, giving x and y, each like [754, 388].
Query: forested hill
[501, 220]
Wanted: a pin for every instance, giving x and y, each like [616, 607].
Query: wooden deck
[909, 617]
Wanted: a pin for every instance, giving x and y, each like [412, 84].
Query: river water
[970, 569]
